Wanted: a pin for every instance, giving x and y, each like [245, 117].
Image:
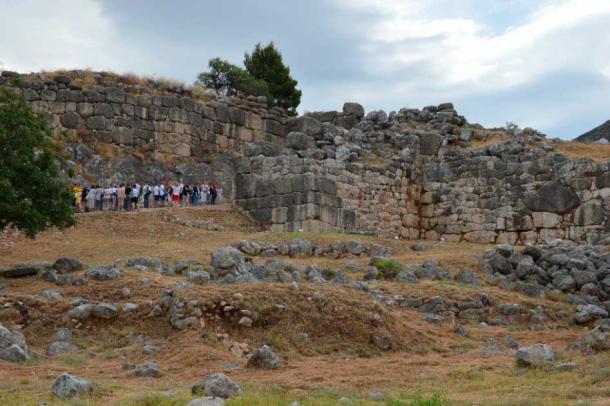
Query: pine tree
[34, 191]
[265, 63]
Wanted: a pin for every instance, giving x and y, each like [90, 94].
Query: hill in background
[602, 131]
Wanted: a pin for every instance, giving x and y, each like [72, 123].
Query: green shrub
[388, 268]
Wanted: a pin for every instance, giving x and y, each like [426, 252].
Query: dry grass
[578, 150]
[340, 358]
[493, 138]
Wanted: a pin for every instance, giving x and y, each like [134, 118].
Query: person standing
[162, 194]
[91, 199]
[77, 196]
[135, 195]
[175, 192]
[113, 197]
[146, 193]
[213, 192]
[99, 197]
[156, 195]
[128, 191]
[120, 194]
[106, 205]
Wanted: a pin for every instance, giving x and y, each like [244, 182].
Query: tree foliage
[229, 79]
[34, 191]
[265, 75]
[265, 63]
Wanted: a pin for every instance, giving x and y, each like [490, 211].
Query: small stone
[376, 396]
[245, 321]
[566, 366]
[63, 334]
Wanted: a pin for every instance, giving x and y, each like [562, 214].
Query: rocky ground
[197, 306]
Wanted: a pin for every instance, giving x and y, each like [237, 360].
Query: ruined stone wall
[512, 194]
[409, 174]
[292, 193]
[119, 132]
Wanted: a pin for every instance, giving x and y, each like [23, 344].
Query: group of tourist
[133, 196]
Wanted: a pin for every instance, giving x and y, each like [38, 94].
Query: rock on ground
[226, 257]
[69, 386]
[217, 385]
[206, 401]
[264, 358]
[535, 356]
[104, 272]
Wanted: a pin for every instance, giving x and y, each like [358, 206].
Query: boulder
[14, 353]
[590, 213]
[430, 143]
[104, 272]
[61, 347]
[23, 270]
[299, 141]
[535, 356]
[589, 312]
[63, 334]
[354, 109]
[264, 358]
[148, 369]
[105, 311]
[217, 385]
[81, 312]
[67, 265]
[226, 257]
[69, 386]
[554, 197]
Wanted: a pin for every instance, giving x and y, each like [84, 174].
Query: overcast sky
[539, 63]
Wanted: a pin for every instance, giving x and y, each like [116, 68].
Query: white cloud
[36, 35]
[460, 51]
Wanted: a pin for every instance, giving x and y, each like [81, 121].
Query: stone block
[545, 219]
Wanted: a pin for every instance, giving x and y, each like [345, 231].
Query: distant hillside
[603, 131]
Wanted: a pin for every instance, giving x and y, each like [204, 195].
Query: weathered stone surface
[104, 272]
[535, 356]
[69, 386]
[553, 197]
[227, 257]
[264, 358]
[354, 109]
[217, 385]
[589, 213]
[68, 265]
[430, 143]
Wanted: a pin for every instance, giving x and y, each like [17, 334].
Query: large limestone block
[546, 220]
[590, 213]
[554, 197]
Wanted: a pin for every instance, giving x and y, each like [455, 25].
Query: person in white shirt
[163, 195]
[113, 197]
[135, 194]
[156, 195]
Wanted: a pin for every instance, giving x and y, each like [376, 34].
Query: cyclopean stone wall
[121, 132]
[409, 174]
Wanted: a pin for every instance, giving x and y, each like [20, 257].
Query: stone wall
[409, 174]
[121, 132]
